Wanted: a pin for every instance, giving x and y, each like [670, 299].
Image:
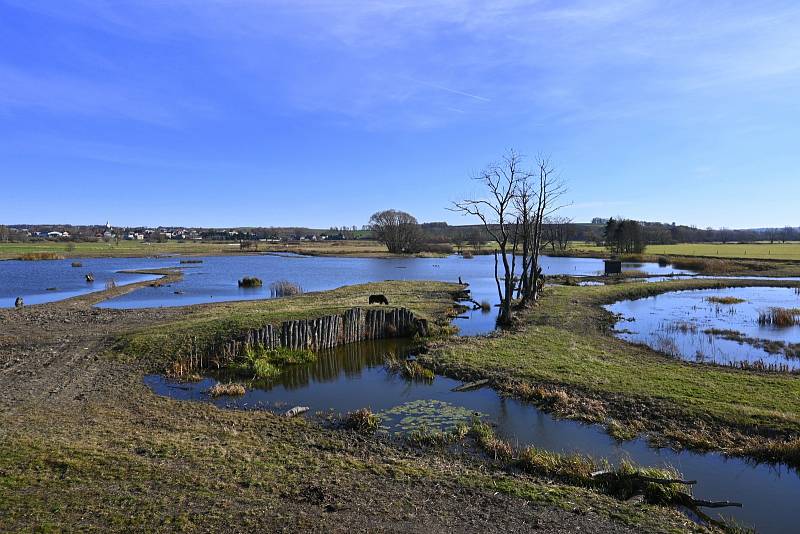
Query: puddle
[687, 325]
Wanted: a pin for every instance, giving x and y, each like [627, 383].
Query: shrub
[663, 261]
[486, 306]
[230, 389]
[467, 255]
[250, 281]
[284, 288]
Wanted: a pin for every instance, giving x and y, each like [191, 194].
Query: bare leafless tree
[496, 210]
[545, 190]
[558, 232]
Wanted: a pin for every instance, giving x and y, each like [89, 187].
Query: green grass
[150, 464]
[565, 342]
[125, 248]
[203, 325]
[756, 251]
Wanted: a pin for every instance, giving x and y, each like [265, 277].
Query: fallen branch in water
[644, 478]
[471, 385]
[715, 504]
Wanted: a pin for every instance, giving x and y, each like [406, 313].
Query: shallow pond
[353, 377]
[695, 326]
[215, 279]
[53, 280]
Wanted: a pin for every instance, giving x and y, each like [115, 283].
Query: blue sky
[244, 112]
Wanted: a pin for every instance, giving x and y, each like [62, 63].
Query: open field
[121, 249]
[358, 248]
[755, 251]
[565, 343]
[85, 445]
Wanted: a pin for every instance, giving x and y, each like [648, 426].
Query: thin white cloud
[572, 61]
[453, 91]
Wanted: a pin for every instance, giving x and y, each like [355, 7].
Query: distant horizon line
[361, 227]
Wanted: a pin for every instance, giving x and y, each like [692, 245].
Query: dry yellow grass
[227, 390]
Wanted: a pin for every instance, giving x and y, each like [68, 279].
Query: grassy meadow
[754, 251]
[56, 249]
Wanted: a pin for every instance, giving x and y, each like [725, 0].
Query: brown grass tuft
[362, 420]
[230, 389]
[725, 300]
[781, 317]
[36, 256]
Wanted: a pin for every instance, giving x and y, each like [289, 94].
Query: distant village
[108, 232]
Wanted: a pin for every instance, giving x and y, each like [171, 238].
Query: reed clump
[284, 288]
[776, 451]
[266, 364]
[657, 485]
[703, 265]
[780, 317]
[486, 306]
[725, 300]
[467, 255]
[36, 256]
[250, 281]
[226, 390]
[77, 264]
[408, 369]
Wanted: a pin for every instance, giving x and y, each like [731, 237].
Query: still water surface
[44, 281]
[685, 324]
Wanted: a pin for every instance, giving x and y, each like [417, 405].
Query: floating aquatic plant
[425, 415]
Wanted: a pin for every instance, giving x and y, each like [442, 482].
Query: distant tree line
[557, 233]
